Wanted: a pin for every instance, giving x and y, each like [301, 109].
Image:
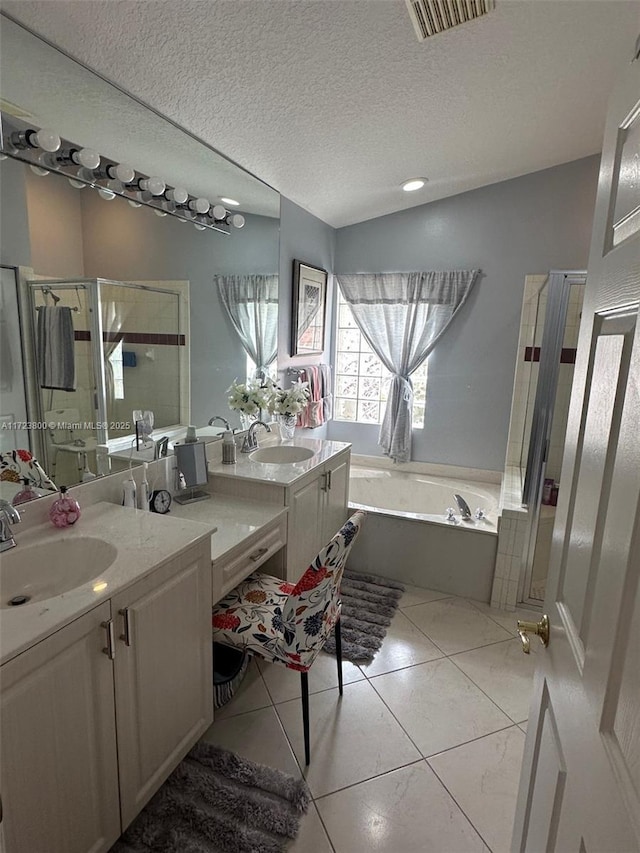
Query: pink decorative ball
[65, 510]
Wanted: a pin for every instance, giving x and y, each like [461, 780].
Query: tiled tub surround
[407, 506]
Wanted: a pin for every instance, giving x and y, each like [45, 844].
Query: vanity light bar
[46, 152]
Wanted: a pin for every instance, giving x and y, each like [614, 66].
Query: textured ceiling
[335, 102]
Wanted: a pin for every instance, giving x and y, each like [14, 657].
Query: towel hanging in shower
[56, 348]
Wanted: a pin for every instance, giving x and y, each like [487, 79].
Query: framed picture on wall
[309, 304]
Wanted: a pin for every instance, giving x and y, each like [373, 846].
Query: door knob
[540, 628]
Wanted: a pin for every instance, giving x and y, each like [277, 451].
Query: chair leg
[305, 715]
[338, 636]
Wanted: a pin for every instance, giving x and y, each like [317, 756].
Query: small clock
[160, 501]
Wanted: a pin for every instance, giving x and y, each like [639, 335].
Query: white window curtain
[402, 316]
[252, 304]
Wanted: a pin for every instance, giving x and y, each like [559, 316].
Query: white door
[580, 785]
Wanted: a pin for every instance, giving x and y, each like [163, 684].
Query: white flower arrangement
[250, 397]
[289, 401]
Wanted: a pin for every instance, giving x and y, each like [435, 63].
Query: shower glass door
[553, 353]
[66, 431]
[142, 354]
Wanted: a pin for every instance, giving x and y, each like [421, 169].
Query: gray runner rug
[368, 605]
[217, 802]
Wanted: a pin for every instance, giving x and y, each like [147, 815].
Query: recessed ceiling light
[230, 201]
[414, 184]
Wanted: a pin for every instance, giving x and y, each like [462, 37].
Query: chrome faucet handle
[250, 442]
[9, 512]
[480, 513]
[451, 514]
[219, 418]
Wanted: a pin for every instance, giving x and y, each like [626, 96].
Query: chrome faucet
[250, 441]
[8, 515]
[218, 418]
[463, 506]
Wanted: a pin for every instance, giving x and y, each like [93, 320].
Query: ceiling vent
[431, 17]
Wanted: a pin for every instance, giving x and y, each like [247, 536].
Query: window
[362, 381]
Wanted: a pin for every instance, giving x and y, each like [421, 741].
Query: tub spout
[463, 506]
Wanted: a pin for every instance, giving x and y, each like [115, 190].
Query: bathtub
[407, 535]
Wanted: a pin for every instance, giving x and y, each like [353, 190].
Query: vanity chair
[61, 440]
[19, 465]
[286, 623]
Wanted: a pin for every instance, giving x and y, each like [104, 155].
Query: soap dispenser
[65, 510]
[25, 494]
[228, 448]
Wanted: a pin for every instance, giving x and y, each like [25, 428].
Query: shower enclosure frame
[91, 286]
[559, 285]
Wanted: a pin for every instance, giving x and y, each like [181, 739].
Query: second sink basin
[281, 454]
[38, 572]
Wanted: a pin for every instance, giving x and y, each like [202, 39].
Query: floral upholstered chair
[19, 465]
[287, 623]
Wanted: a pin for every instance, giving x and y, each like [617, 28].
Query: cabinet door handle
[126, 636]
[259, 553]
[110, 649]
[328, 480]
[325, 481]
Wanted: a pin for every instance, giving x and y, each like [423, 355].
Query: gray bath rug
[368, 605]
[217, 802]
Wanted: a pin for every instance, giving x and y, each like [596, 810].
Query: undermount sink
[281, 454]
[38, 572]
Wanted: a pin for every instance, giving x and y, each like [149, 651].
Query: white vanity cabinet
[316, 501]
[163, 673]
[317, 510]
[59, 773]
[97, 715]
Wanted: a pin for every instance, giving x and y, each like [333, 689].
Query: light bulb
[177, 194]
[199, 227]
[79, 185]
[230, 201]
[414, 184]
[218, 211]
[107, 195]
[86, 157]
[160, 212]
[156, 186]
[38, 170]
[121, 172]
[48, 140]
[237, 220]
[200, 205]
[134, 203]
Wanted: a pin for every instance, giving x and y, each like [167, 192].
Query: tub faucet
[219, 418]
[463, 506]
[8, 515]
[250, 441]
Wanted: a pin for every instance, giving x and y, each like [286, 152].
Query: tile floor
[423, 751]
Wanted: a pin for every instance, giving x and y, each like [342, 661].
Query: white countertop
[279, 474]
[235, 518]
[144, 541]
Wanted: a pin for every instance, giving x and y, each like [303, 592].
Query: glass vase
[246, 420]
[287, 426]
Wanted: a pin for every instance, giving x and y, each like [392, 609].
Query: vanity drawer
[253, 556]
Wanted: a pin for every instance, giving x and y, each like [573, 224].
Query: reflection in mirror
[88, 241]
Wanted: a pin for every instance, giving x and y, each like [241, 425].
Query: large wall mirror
[155, 282]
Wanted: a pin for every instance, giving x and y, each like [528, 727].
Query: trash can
[229, 668]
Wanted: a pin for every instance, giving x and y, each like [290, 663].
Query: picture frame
[308, 309]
